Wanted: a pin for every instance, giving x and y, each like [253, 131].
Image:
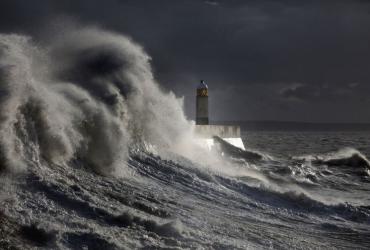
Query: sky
[283, 60]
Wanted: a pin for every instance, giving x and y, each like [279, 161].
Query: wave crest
[90, 95]
[347, 158]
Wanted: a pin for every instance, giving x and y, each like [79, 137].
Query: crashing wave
[355, 160]
[347, 158]
[90, 95]
[236, 152]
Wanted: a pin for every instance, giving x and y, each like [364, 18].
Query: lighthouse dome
[202, 85]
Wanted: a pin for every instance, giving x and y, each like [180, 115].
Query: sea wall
[208, 131]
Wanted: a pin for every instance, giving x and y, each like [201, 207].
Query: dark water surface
[310, 191]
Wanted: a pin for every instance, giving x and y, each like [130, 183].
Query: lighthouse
[209, 135]
[202, 104]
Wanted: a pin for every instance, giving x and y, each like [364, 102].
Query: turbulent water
[94, 155]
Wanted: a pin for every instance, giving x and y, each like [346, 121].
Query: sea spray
[87, 94]
[91, 95]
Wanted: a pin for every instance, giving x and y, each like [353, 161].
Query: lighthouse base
[230, 134]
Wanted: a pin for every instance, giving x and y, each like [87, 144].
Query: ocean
[94, 155]
[293, 199]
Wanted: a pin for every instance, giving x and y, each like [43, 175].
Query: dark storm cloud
[302, 92]
[253, 51]
[324, 93]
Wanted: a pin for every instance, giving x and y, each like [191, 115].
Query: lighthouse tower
[202, 104]
[209, 135]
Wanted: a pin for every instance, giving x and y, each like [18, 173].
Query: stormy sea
[95, 155]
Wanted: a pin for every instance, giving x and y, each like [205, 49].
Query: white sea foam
[91, 94]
